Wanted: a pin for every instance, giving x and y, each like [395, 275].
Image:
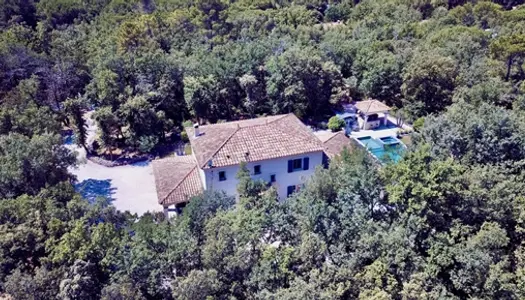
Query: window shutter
[306, 162]
[290, 166]
[290, 190]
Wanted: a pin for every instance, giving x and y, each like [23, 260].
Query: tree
[121, 291]
[428, 84]
[300, 81]
[30, 164]
[75, 109]
[43, 285]
[80, 282]
[21, 9]
[109, 126]
[255, 93]
[382, 78]
[490, 134]
[445, 221]
[200, 94]
[335, 124]
[511, 48]
[142, 120]
[197, 285]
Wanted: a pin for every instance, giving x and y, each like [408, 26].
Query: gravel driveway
[130, 187]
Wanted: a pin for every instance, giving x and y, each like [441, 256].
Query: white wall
[278, 166]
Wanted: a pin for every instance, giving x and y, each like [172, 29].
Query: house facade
[279, 150]
[286, 174]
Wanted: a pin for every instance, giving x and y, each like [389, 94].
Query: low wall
[119, 161]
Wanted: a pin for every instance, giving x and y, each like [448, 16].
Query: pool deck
[381, 133]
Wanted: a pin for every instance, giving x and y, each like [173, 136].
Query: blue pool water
[386, 149]
[370, 143]
[389, 140]
[69, 139]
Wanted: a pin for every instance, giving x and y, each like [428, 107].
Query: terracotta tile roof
[371, 106]
[177, 179]
[325, 135]
[335, 142]
[252, 140]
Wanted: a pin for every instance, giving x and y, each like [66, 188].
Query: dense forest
[446, 222]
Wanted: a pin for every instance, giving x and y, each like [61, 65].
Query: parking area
[130, 188]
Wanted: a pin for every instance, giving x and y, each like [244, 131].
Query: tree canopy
[445, 222]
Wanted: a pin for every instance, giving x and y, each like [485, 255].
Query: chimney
[196, 130]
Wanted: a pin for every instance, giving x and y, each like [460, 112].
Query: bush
[184, 136]
[187, 123]
[335, 124]
[419, 123]
[147, 143]
[338, 12]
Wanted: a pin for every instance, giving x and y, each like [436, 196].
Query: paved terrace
[380, 133]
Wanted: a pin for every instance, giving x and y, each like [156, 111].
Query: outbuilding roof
[372, 106]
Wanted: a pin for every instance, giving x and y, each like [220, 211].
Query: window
[298, 164]
[257, 169]
[222, 176]
[272, 178]
[290, 190]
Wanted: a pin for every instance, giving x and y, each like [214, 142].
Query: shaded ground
[130, 187]
[91, 189]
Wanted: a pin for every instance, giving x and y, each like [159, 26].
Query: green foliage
[157, 64]
[510, 48]
[184, 136]
[197, 285]
[80, 282]
[447, 221]
[335, 123]
[300, 82]
[428, 84]
[419, 123]
[75, 108]
[484, 134]
[338, 12]
[29, 164]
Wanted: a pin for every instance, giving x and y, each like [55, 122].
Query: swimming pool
[370, 143]
[389, 140]
[385, 149]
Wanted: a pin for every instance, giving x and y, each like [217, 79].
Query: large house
[280, 150]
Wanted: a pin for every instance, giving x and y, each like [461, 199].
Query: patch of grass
[187, 149]
[407, 140]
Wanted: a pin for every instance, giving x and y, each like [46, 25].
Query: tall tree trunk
[509, 67]
[520, 67]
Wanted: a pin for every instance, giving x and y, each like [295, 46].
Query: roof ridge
[282, 116]
[308, 130]
[237, 129]
[236, 122]
[333, 135]
[178, 184]
[309, 133]
[264, 124]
